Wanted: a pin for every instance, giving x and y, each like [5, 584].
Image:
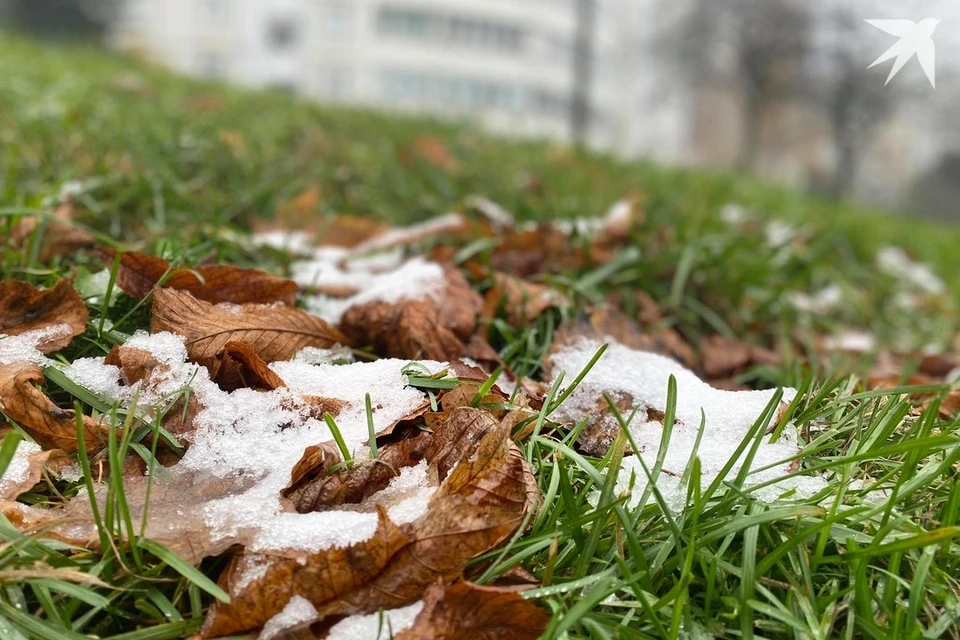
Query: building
[508, 64]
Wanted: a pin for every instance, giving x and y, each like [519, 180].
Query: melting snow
[260, 436]
[729, 415]
[413, 280]
[822, 301]
[19, 465]
[23, 347]
[376, 626]
[895, 262]
[297, 611]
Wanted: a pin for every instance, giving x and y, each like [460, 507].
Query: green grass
[158, 172]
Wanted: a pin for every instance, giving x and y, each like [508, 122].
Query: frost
[727, 418]
[23, 347]
[895, 262]
[376, 626]
[297, 611]
[19, 466]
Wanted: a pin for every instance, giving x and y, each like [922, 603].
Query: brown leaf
[275, 333]
[57, 237]
[465, 610]
[239, 366]
[138, 366]
[318, 577]
[430, 328]
[486, 489]
[522, 300]
[48, 424]
[139, 274]
[723, 357]
[435, 152]
[24, 308]
[35, 464]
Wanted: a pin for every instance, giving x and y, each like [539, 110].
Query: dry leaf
[138, 366]
[35, 465]
[57, 238]
[48, 424]
[523, 301]
[139, 274]
[24, 308]
[435, 152]
[238, 366]
[465, 610]
[434, 328]
[275, 333]
[486, 489]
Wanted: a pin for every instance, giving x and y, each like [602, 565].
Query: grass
[874, 555]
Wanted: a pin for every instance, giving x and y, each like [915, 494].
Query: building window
[336, 20]
[281, 33]
[460, 31]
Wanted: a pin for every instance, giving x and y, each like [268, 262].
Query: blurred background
[778, 89]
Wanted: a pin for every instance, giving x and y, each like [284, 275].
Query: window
[336, 20]
[460, 31]
[281, 33]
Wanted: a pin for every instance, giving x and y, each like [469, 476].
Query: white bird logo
[915, 39]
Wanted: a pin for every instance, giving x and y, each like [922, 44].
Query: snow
[408, 235]
[499, 218]
[851, 340]
[296, 242]
[895, 262]
[23, 347]
[297, 611]
[728, 416]
[822, 301]
[256, 437]
[734, 214]
[19, 467]
[414, 279]
[778, 233]
[376, 626]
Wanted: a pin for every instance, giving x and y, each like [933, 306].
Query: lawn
[863, 544]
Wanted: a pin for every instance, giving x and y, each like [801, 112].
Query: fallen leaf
[465, 610]
[486, 488]
[48, 424]
[35, 464]
[57, 237]
[141, 367]
[523, 301]
[274, 332]
[435, 327]
[24, 308]
[435, 152]
[238, 365]
[139, 274]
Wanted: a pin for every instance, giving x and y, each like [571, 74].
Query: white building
[507, 63]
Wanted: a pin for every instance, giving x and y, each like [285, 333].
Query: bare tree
[755, 47]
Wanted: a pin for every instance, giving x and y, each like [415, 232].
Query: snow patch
[895, 262]
[297, 611]
[727, 417]
[23, 347]
[19, 466]
[376, 626]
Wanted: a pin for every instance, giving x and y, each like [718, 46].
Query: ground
[173, 168]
